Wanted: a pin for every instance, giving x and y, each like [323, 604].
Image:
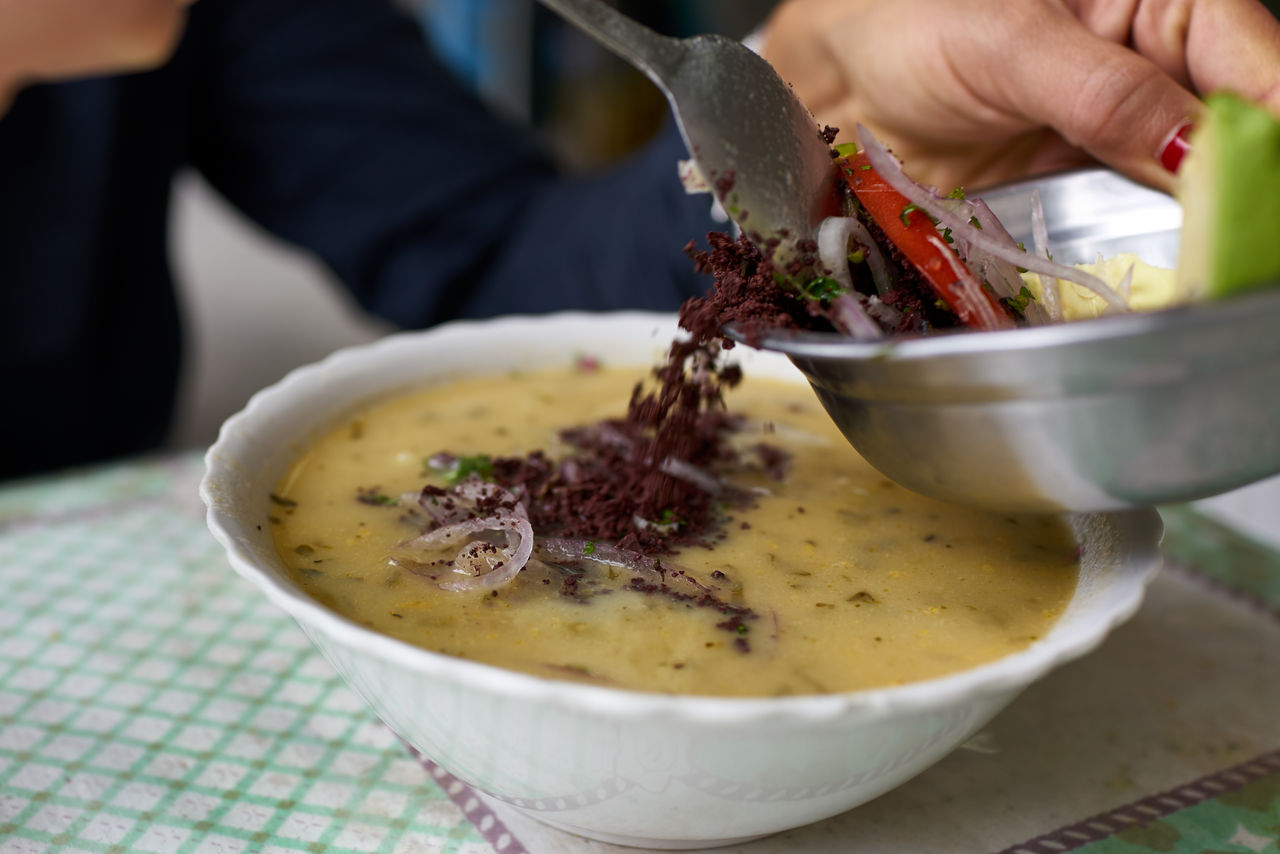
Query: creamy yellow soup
[852, 581]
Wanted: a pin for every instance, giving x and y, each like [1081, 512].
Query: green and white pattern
[150, 700]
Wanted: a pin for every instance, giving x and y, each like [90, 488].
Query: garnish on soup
[761, 556]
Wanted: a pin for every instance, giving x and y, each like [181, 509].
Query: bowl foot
[649, 842]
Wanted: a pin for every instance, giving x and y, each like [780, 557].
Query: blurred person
[329, 123]
[975, 92]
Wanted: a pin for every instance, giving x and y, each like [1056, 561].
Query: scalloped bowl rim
[1006, 674]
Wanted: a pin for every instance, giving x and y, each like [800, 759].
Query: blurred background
[256, 308]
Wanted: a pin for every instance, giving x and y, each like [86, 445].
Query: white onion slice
[891, 170]
[833, 251]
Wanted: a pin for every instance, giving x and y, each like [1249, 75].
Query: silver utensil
[752, 139]
[1123, 411]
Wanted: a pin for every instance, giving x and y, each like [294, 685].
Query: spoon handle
[656, 55]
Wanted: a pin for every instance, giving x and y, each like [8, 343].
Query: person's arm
[329, 123]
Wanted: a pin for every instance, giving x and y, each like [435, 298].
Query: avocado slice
[1229, 187]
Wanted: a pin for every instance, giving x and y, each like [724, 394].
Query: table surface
[151, 700]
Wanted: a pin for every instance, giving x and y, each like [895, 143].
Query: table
[151, 700]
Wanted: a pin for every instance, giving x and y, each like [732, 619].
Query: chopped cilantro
[281, 500]
[588, 548]
[956, 193]
[742, 629]
[461, 468]
[821, 288]
[1019, 301]
[906, 210]
[857, 256]
[847, 149]
[376, 499]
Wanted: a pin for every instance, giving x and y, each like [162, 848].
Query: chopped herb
[588, 548]
[822, 288]
[305, 550]
[973, 220]
[1019, 301]
[906, 210]
[946, 235]
[857, 256]
[847, 149]
[956, 193]
[376, 499]
[743, 629]
[459, 469]
[281, 500]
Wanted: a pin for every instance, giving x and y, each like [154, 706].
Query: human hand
[974, 92]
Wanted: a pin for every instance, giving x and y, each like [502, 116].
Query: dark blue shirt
[329, 123]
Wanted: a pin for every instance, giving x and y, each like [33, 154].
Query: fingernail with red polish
[1175, 147]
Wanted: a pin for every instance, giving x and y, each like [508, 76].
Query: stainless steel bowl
[1119, 412]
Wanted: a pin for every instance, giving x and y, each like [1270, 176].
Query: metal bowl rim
[1185, 319]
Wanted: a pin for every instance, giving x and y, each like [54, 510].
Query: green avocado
[1229, 187]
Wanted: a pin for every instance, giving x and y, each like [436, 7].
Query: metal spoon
[752, 139]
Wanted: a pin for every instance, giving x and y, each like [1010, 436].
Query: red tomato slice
[913, 232]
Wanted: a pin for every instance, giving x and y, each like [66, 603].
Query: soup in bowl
[765, 678]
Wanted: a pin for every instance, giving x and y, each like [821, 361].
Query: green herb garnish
[460, 468]
[821, 288]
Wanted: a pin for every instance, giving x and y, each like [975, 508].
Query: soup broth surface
[852, 581]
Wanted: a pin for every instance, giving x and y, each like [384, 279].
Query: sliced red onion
[519, 548]
[1126, 283]
[1040, 242]
[833, 250]
[999, 273]
[971, 295]
[891, 170]
[659, 569]
[888, 316]
[643, 524]
[455, 520]
[850, 316]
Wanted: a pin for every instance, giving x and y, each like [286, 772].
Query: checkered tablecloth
[150, 700]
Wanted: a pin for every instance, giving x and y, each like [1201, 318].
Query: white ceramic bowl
[635, 768]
